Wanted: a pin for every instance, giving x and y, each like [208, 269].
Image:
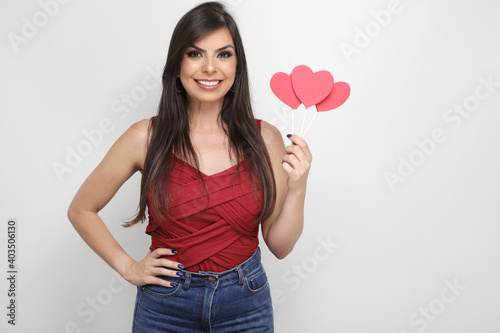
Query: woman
[210, 174]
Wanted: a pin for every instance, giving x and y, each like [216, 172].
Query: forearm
[287, 228]
[95, 233]
[291, 166]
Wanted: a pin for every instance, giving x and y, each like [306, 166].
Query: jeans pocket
[256, 282]
[161, 291]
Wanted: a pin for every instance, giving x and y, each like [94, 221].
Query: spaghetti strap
[258, 122]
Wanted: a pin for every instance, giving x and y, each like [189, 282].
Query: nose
[209, 66]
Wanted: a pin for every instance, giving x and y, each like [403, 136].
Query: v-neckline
[202, 173]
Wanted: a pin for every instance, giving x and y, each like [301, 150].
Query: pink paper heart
[311, 88]
[281, 85]
[340, 93]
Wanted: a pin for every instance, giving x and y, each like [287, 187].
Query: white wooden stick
[293, 117]
[307, 129]
[303, 121]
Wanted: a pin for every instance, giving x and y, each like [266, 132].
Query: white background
[396, 248]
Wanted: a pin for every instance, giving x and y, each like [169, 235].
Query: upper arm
[123, 159]
[276, 150]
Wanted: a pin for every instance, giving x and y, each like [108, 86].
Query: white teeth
[208, 83]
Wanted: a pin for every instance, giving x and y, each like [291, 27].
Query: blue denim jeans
[237, 300]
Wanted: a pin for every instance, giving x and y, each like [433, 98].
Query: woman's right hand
[145, 271]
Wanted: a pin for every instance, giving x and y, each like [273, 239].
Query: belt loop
[188, 280]
[240, 275]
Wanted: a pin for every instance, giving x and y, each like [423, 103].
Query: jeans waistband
[236, 273]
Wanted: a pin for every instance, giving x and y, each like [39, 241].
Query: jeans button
[211, 279]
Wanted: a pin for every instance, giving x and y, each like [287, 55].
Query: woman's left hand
[297, 163]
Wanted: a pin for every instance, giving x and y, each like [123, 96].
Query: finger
[167, 272]
[162, 282]
[297, 151]
[168, 263]
[290, 160]
[297, 140]
[297, 165]
[162, 252]
[287, 167]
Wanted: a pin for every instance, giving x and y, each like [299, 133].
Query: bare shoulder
[273, 140]
[139, 130]
[131, 148]
[270, 134]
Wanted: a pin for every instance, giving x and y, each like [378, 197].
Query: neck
[204, 117]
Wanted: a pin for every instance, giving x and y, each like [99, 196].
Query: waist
[246, 267]
[209, 253]
[237, 273]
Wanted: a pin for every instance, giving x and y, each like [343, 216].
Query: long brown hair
[170, 133]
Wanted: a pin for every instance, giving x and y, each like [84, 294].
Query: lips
[208, 84]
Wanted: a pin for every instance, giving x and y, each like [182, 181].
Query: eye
[194, 54]
[225, 54]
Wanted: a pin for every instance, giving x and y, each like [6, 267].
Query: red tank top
[213, 233]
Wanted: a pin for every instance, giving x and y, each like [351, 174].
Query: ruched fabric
[214, 233]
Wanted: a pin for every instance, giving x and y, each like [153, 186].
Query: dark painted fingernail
[282, 162]
[174, 251]
[180, 266]
[179, 274]
[173, 284]
[289, 136]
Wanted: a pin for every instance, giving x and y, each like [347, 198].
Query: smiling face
[208, 68]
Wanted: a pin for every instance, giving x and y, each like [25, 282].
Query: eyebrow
[219, 49]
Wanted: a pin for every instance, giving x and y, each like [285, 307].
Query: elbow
[70, 213]
[282, 253]
[73, 213]
[280, 249]
[279, 245]
[281, 256]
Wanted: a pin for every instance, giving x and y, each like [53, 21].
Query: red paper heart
[340, 93]
[311, 88]
[281, 85]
